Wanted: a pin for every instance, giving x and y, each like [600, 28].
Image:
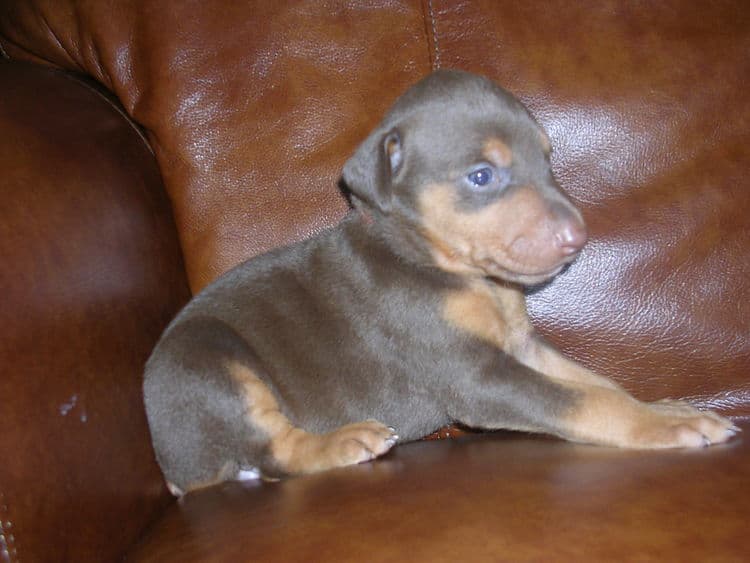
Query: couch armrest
[91, 273]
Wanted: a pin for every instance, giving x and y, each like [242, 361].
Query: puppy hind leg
[294, 450]
[196, 416]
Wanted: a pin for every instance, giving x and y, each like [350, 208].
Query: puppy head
[458, 172]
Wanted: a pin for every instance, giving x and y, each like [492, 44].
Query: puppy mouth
[524, 278]
[502, 265]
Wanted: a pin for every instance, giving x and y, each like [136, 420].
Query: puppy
[407, 316]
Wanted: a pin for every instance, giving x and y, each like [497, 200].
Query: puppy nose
[571, 236]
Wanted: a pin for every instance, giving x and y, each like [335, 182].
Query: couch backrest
[252, 108]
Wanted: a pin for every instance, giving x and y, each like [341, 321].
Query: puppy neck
[384, 242]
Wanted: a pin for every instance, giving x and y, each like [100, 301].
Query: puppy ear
[370, 171]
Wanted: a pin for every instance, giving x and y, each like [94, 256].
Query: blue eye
[480, 177]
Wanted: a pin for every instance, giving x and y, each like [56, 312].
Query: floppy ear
[370, 171]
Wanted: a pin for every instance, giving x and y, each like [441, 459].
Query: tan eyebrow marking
[497, 152]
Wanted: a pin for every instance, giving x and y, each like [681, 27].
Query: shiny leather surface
[91, 273]
[491, 498]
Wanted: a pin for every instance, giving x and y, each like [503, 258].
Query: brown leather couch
[146, 147]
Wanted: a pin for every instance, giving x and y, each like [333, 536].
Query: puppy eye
[480, 177]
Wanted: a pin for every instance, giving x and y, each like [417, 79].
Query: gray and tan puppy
[407, 316]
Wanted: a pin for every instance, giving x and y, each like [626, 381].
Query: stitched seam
[435, 42]
[8, 550]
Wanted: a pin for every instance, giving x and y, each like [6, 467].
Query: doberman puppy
[407, 316]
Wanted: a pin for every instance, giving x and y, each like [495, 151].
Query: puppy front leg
[518, 397]
[541, 356]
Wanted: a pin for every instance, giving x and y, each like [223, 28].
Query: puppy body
[407, 316]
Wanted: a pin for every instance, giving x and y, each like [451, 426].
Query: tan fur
[614, 418]
[475, 312]
[497, 152]
[545, 359]
[505, 238]
[298, 451]
[491, 312]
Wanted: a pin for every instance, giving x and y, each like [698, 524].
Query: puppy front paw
[675, 424]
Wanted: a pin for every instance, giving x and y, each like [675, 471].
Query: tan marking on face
[298, 451]
[510, 238]
[493, 313]
[497, 152]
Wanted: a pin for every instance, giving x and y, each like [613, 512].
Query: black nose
[571, 236]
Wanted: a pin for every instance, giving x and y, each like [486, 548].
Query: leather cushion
[91, 274]
[502, 497]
